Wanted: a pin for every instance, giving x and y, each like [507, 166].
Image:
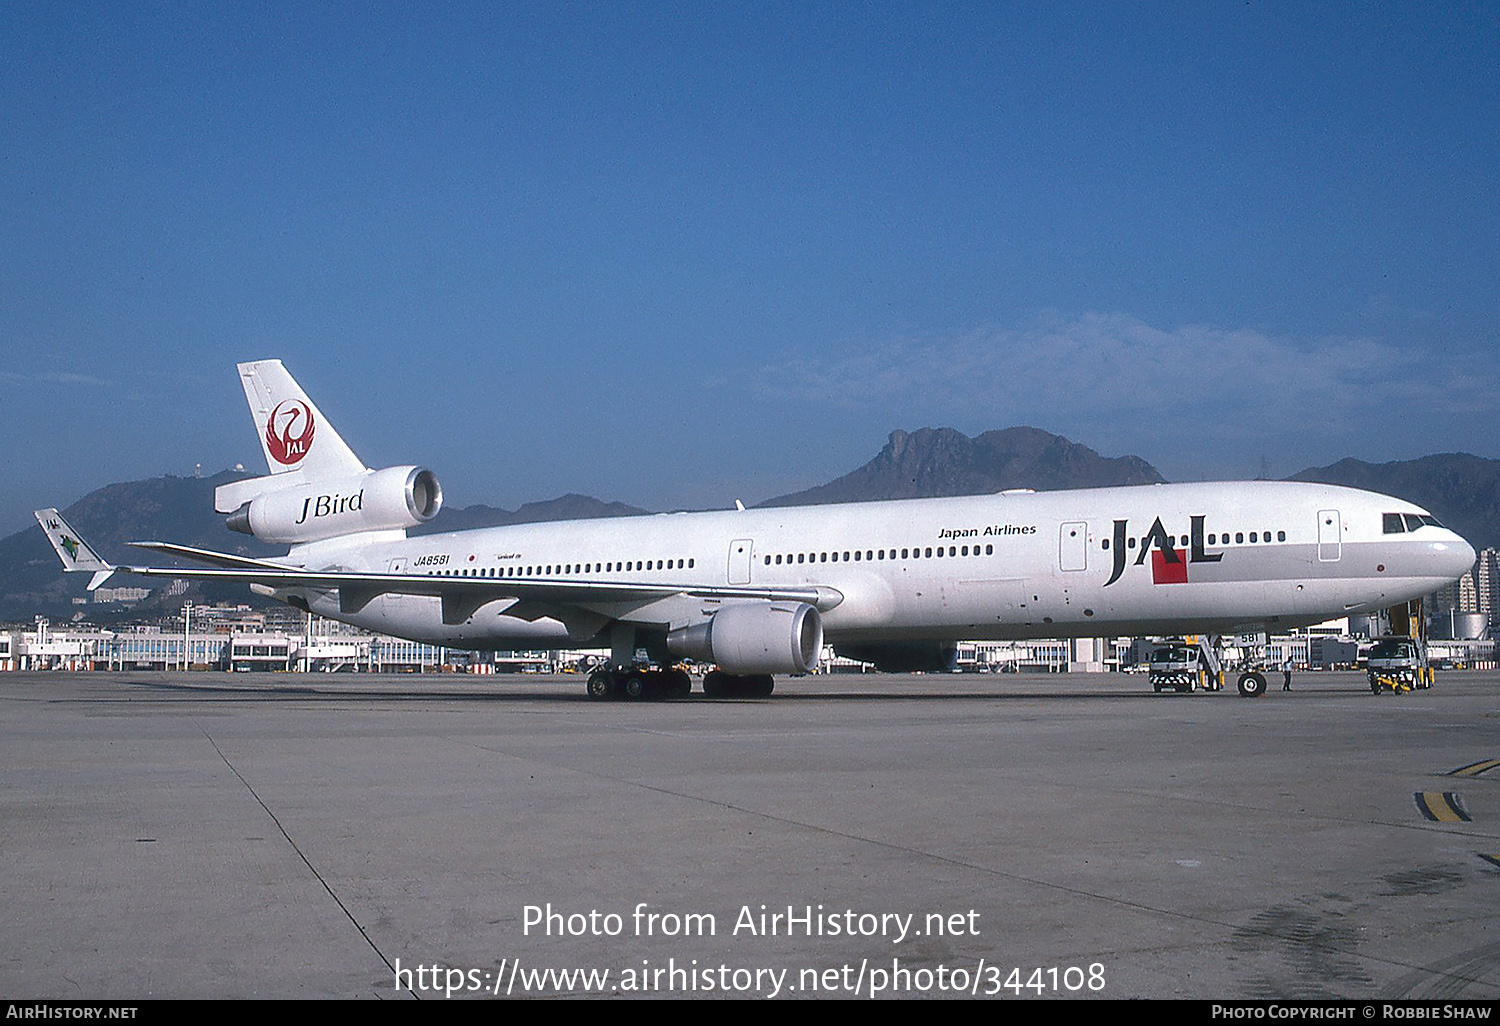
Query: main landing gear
[642, 683]
[719, 684]
[636, 684]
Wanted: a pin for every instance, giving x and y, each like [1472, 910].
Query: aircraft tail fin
[293, 432]
[76, 554]
[300, 445]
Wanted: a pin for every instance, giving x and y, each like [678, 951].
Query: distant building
[120, 594]
[1477, 591]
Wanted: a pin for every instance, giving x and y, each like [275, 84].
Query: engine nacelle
[755, 638]
[904, 656]
[377, 500]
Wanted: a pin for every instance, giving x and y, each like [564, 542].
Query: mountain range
[1461, 490]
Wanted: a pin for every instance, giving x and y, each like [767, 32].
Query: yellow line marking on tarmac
[1441, 807]
[1474, 768]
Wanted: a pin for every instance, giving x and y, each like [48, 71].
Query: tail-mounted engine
[377, 500]
[755, 638]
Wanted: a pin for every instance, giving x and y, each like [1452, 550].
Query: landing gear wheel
[601, 685]
[714, 684]
[1252, 685]
[635, 685]
[679, 684]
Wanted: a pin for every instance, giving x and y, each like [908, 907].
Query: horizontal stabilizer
[230, 497]
[212, 558]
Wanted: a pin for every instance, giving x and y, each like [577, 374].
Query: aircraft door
[1073, 546]
[740, 551]
[1330, 542]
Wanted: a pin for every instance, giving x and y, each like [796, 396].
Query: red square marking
[1163, 572]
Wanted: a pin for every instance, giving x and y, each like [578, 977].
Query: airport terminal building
[237, 639]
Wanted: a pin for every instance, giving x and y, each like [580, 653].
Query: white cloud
[53, 378]
[1197, 397]
[1110, 366]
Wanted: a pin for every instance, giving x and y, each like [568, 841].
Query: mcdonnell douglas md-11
[757, 592]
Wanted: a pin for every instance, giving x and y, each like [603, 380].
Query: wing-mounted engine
[904, 656]
[377, 500]
[755, 638]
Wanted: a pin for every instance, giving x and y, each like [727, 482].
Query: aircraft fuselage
[1155, 559]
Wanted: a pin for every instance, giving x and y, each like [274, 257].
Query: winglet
[75, 553]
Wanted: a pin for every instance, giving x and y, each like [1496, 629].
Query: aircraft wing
[227, 560]
[358, 587]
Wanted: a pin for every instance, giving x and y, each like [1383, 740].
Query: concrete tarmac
[249, 835]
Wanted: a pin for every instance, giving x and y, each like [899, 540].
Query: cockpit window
[1431, 521]
[1394, 524]
[1412, 521]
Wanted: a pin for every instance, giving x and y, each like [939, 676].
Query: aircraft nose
[1456, 557]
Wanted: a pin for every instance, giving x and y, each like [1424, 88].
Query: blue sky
[679, 254]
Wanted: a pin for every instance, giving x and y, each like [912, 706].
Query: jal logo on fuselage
[289, 432]
[1169, 564]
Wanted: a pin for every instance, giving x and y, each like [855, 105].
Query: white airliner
[757, 592]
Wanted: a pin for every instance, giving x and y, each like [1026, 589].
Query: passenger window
[1281, 536]
[1253, 538]
[1239, 537]
[989, 550]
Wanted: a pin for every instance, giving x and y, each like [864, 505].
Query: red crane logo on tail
[289, 432]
